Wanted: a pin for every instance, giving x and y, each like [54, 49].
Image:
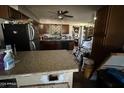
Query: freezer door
[32, 45]
[17, 34]
[30, 32]
[33, 32]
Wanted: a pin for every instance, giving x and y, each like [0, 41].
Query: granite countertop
[42, 61]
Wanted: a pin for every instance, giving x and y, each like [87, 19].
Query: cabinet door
[24, 16]
[71, 45]
[98, 51]
[65, 29]
[13, 14]
[3, 11]
[48, 45]
[10, 13]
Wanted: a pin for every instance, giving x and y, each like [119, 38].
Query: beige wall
[14, 7]
[56, 21]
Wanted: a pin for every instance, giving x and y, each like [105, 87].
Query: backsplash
[55, 29]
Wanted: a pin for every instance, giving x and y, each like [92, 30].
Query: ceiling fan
[62, 14]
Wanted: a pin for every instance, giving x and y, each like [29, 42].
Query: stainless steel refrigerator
[23, 36]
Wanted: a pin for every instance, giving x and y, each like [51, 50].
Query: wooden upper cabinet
[13, 14]
[4, 11]
[45, 29]
[36, 23]
[10, 13]
[65, 29]
[24, 16]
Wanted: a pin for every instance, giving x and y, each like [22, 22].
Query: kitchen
[46, 43]
[38, 47]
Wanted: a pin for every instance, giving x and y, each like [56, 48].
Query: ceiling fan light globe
[60, 17]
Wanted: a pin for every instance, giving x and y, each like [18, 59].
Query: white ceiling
[81, 13]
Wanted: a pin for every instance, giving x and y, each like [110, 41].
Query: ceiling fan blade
[64, 12]
[52, 12]
[68, 16]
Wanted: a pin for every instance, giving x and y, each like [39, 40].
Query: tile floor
[79, 81]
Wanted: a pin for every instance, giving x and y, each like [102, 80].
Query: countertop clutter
[42, 61]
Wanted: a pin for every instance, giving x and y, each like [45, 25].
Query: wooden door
[98, 49]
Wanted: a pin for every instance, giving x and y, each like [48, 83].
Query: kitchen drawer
[47, 78]
[28, 79]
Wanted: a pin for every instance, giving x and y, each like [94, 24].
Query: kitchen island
[42, 67]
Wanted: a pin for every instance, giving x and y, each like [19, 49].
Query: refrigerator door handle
[34, 45]
[32, 32]
[29, 32]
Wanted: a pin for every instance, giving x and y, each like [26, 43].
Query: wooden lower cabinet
[56, 45]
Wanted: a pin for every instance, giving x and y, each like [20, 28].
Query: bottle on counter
[2, 54]
[8, 58]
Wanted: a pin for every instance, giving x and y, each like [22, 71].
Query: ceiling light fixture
[95, 18]
[60, 17]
